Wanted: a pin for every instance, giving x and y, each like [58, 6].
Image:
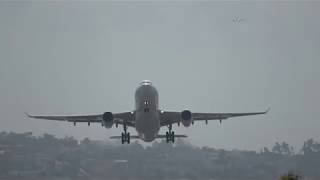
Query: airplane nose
[146, 82]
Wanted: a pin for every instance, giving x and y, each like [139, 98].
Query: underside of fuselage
[147, 122]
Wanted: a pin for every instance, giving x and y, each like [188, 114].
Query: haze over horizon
[68, 58]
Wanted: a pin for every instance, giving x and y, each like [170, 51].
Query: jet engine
[107, 119]
[186, 118]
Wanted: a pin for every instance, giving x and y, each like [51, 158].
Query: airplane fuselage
[147, 112]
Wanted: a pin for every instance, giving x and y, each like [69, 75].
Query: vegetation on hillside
[47, 157]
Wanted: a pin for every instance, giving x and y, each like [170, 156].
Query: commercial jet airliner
[147, 118]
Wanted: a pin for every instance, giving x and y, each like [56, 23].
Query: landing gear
[125, 136]
[170, 134]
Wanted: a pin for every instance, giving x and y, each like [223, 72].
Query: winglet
[267, 111]
[28, 115]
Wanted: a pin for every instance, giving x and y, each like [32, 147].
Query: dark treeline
[24, 156]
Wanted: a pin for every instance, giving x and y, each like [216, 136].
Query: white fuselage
[147, 112]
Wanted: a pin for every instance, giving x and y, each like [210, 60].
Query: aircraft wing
[119, 118]
[170, 117]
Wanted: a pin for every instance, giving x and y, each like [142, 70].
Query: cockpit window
[146, 82]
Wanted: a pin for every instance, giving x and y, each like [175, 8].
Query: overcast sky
[86, 58]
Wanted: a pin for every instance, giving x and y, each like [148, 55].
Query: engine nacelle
[107, 119]
[186, 118]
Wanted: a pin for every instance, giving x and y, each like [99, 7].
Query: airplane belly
[147, 125]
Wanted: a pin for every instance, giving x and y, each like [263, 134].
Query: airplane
[237, 19]
[147, 118]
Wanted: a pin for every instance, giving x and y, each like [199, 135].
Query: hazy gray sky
[87, 58]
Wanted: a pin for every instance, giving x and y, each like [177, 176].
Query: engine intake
[107, 119]
[186, 118]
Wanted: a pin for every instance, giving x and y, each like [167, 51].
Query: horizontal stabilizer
[158, 137]
[119, 137]
[176, 136]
